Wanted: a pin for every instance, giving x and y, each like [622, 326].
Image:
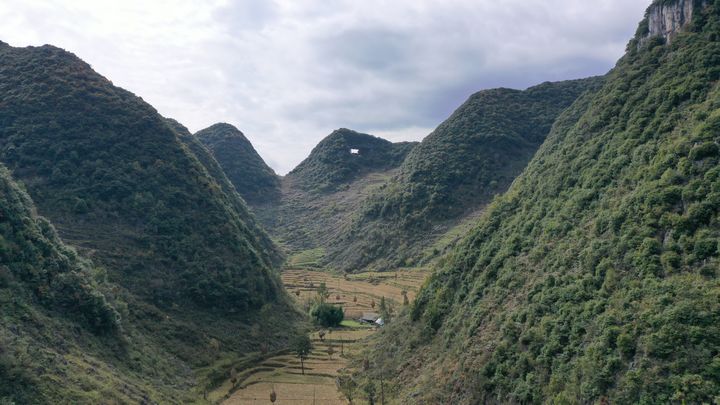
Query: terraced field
[282, 373]
[355, 293]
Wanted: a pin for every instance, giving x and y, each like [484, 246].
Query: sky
[288, 72]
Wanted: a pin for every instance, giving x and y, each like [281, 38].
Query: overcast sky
[288, 72]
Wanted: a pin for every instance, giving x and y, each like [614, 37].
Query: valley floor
[357, 294]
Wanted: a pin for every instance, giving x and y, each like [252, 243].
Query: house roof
[370, 316]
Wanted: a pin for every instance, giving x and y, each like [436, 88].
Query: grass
[350, 323]
[307, 259]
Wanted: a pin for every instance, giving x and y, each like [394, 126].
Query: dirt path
[357, 294]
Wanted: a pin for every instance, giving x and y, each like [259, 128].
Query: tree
[370, 391]
[323, 292]
[302, 346]
[347, 386]
[386, 311]
[273, 395]
[327, 315]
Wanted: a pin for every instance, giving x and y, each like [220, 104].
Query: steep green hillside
[214, 170]
[253, 179]
[320, 197]
[332, 165]
[114, 177]
[39, 278]
[594, 279]
[53, 315]
[133, 193]
[472, 156]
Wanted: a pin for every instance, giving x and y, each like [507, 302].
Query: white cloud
[288, 72]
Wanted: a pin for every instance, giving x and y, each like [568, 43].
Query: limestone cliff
[668, 18]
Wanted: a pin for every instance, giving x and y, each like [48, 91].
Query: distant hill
[594, 279]
[147, 203]
[320, 197]
[471, 157]
[344, 156]
[254, 180]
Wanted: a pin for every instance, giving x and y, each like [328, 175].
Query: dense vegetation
[188, 270]
[321, 196]
[48, 297]
[253, 179]
[214, 170]
[332, 166]
[472, 156]
[113, 176]
[594, 279]
[33, 260]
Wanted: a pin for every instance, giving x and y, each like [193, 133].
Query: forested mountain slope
[594, 279]
[320, 197]
[121, 184]
[254, 180]
[54, 317]
[472, 156]
[332, 164]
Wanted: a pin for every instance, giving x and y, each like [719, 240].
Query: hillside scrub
[456, 170]
[595, 277]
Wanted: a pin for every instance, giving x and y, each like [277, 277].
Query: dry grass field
[283, 374]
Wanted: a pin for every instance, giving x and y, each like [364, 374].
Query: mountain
[455, 171]
[254, 180]
[344, 156]
[320, 196]
[149, 205]
[594, 279]
[217, 172]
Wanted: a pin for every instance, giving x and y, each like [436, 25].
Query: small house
[369, 318]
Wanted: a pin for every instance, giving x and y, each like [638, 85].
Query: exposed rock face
[667, 19]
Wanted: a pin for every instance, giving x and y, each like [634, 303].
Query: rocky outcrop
[668, 18]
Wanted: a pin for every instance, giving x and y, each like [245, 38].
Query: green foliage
[593, 279]
[120, 181]
[178, 258]
[253, 179]
[331, 164]
[327, 315]
[33, 261]
[471, 157]
[302, 346]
